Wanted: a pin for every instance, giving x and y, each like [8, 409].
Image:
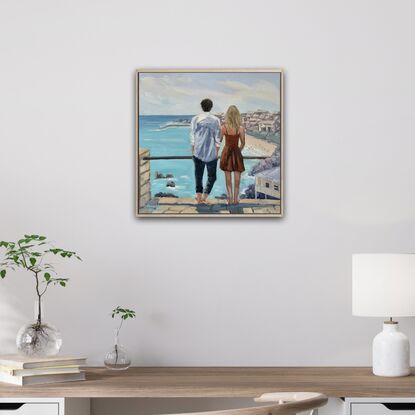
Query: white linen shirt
[205, 136]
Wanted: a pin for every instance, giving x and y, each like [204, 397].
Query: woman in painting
[231, 160]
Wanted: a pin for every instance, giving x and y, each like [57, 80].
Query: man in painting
[205, 140]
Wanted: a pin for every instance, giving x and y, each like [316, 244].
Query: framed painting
[209, 143]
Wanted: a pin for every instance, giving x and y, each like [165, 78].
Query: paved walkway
[172, 205]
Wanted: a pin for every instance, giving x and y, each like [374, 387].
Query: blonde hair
[233, 118]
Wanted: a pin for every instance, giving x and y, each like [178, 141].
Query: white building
[267, 184]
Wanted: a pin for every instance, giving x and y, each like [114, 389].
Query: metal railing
[190, 157]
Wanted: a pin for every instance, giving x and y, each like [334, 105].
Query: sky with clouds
[180, 93]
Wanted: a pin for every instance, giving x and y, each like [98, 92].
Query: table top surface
[225, 382]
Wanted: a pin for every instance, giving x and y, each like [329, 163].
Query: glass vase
[117, 358]
[38, 339]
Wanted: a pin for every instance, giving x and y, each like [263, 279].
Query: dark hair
[206, 104]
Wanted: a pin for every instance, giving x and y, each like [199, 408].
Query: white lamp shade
[383, 285]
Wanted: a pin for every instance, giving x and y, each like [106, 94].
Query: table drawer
[384, 408]
[30, 408]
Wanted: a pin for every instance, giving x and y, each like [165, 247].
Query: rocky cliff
[266, 164]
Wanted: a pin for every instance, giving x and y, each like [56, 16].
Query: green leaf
[2, 273]
[62, 283]
[47, 276]
[123, 313]
[32, 261]
[42, 238]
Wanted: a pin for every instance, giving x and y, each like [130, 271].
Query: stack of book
[22, 370]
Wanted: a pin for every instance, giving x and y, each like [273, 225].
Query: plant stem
[38, 293]
[23, 256]
[39, 305]
[119, 328]
[116, 342]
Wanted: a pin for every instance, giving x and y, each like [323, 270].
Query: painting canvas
[209, 143]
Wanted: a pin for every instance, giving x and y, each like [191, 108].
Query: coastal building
[267, 126]
[262, 121]
[258, 121]
[268, 184]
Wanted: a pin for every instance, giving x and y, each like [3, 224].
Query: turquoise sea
[175, 141]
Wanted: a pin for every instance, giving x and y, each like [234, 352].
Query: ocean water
[176, 142]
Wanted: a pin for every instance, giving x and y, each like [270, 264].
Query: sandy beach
[259, 146]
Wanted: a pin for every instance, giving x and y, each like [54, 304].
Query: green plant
[123, 314]
[30, 253]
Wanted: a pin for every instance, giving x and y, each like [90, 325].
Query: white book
[36, 380]
[24, 362]
[39, 371]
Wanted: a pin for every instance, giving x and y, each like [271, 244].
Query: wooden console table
[231, 382]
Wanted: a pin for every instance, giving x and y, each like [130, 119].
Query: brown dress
[231, 158]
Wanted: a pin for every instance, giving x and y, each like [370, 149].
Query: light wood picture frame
[178, 173]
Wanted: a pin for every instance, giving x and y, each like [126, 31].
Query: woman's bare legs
[237, 178]
[228, 177]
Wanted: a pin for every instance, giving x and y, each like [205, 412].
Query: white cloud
[264, 90]
[182, 94]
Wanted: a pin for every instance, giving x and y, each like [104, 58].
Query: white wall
[207, 292]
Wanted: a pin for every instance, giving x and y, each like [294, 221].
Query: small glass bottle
[38, 339]
[117, 358]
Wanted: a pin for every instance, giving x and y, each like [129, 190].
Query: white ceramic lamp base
[391, 352]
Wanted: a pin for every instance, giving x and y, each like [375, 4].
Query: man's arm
[192, 134]
[218, 137]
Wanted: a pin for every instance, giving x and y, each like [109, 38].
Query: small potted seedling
[31, 253]
[117, 358]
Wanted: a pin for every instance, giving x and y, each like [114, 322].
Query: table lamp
[383, 285]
